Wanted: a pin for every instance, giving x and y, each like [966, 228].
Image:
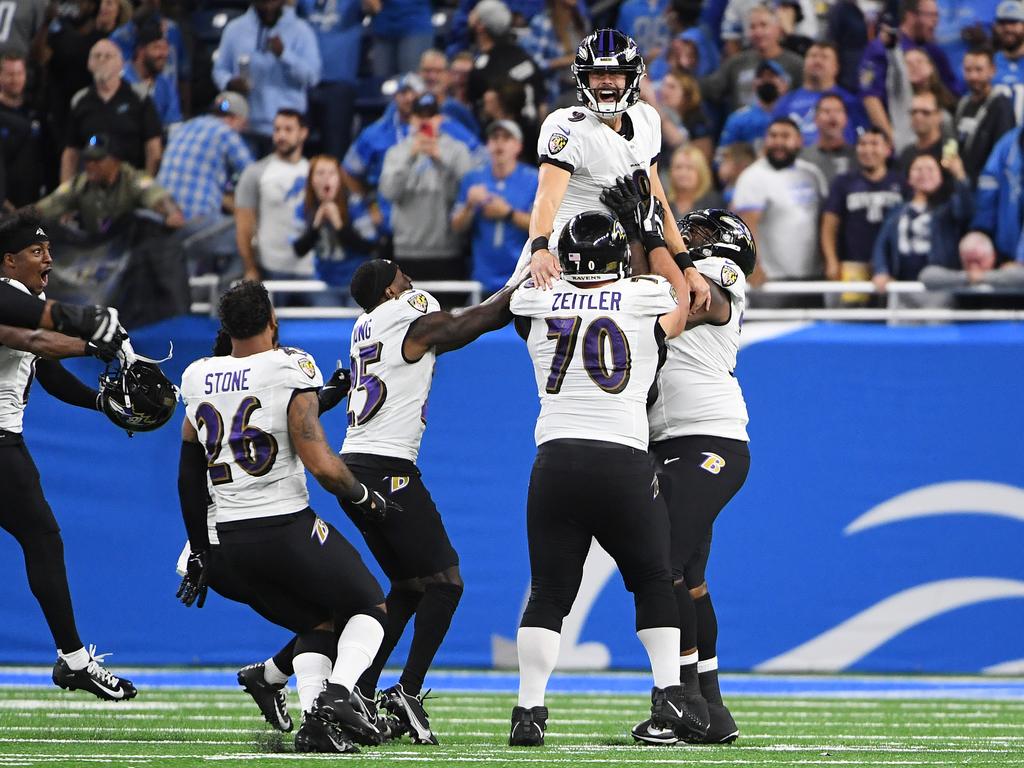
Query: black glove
[193, 585]
[626, 203]
[374, 505]
[105, 351]
[335, 389]
[92, 323]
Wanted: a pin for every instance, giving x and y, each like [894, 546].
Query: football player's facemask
[137, 396]
[607, 51]
[593, 247]
[718, 232]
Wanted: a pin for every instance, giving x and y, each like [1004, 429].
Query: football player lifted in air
[583, 150]
[24, 355]
[252, 424]
[394, 346]
[699, 440]
[264, 681]
[595, 340]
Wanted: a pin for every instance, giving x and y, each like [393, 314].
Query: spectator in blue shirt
[494, 204]
[643, 20]
[1008, 36]
[954, 17]
[179, 65]
[338, 25]
[750, 124]
[917, 30]
[148, 75]
[821, 67]
[272, 54]
[402, 30]
[1000, 196]
[203, 160]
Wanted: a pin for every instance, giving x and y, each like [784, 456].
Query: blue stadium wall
[881, 527]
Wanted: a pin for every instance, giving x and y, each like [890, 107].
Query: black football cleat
[317, 736]
[334, 707]
[723, 728]
[95, 679]
[669, 709]
[528, 726]
[408, 710]
[271, 699]
[649, 733]
[368, 709]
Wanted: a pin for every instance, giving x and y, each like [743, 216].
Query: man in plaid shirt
[204, 158]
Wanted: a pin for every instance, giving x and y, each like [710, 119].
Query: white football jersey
[239, 407]
[595, 354]
[388, 401]
[577, 140]
[16, 371]
[698, 393]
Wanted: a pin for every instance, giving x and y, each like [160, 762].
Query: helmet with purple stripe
[608, 51]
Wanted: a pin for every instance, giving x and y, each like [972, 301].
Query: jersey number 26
[253, 449]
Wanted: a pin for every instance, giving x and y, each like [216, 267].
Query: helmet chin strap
[129, 357]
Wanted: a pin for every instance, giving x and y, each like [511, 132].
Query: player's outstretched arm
[445, 331]
[65, 386]
[312, 448]
[51, 345]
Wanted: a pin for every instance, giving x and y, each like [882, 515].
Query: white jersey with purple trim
[595, 353]
[575, 139]
[239, 407]
[698, 393]
[388, 401]
[16, 371]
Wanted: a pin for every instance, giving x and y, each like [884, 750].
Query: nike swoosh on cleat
[118, 694]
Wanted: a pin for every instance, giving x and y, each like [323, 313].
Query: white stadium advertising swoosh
[859, 635]
[955, 498]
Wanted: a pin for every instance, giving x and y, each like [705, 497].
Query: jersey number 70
[606, 357]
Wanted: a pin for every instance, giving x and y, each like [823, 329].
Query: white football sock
[76, 659]
[662, 645]
[273, 675]
[359, 642]
[311, 669]
[538, 654]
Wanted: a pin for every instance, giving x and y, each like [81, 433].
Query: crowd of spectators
[859, 139]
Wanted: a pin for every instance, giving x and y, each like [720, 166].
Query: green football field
[184, 727]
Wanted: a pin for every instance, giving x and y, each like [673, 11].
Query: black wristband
[511, 213]
[683, 260]
[539, 244]
[652, 241]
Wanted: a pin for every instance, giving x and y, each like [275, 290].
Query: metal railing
[895, 310]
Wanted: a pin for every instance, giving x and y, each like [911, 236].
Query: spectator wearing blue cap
[821, 67]
[273, 56]
[1008, 36]
[402, 30]
[749, 124]
[148, 74]
[494, 204]
[338, 25]
[421, 177]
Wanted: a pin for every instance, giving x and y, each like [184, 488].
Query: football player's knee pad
[656, 605]
[545, 612]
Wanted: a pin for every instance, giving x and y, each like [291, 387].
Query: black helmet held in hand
[721, 233]
[137, 397]
[593, 247]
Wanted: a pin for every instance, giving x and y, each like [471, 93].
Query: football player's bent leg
[401, 604]
[441, 595]
[315, 653]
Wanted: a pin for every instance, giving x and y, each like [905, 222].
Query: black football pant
[25, 515]
[583, 489]
[302, 569]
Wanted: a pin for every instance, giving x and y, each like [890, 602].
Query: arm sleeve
[58, 202]
[238, 156]
[151, 126]
[304, 243]
[987, 197]
[192, 495]
[749, 194]
[873, 66]
[394, 175]
[301, 57]
[651, 295]
[350, 239]
[559, 146]
[19, 309]
[834, 202]
[247, 193]
[224, 59]
[880, 251]
[62, 384]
